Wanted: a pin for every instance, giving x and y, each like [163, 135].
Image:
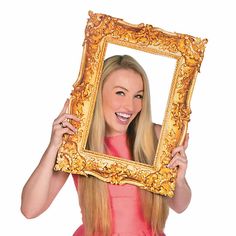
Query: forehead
[127, 78]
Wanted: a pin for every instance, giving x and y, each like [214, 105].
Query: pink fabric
[127, 217]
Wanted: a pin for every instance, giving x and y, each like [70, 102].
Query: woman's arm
[182, 194]
[44, 183]
[182, 197]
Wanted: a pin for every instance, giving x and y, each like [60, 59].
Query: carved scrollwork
[187, 50]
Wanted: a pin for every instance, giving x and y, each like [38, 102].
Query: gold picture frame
[188, 51]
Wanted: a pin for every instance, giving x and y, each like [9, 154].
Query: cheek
[110, 103]
[115, 103]
[138, 105]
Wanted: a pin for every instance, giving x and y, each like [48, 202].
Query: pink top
[127, 217]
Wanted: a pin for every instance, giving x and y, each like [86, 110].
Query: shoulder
[157, 129]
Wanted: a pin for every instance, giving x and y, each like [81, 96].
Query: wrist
[52, 147]
[50, 153]
[181, 181]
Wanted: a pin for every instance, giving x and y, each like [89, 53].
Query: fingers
[65, 117]
[65, 124]
[62, 121]
[186, 141]
[66, 130]
[62, 125]
[179, 149]
[178, 160]
[179, 156]
[63, 111]
[60, 129]
[65, 107]
[182, 148]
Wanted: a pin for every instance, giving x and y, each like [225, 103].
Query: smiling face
[122, 96]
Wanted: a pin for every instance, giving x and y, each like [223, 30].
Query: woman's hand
[182, 194]
[180, 160]
[62, 126]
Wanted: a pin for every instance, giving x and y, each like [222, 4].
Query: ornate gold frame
[187, 50]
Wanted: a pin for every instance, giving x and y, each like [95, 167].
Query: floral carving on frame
[188, 51]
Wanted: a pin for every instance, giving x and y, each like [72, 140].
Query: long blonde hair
[142, 140]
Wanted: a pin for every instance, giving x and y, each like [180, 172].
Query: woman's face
[121, 99]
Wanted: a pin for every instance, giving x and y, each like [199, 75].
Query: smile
[124, 117]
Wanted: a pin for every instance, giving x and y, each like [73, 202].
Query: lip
[123, 117]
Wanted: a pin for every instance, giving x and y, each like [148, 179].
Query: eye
[139, 96]
[120, 93]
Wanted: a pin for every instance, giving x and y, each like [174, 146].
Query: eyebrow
[127, 89]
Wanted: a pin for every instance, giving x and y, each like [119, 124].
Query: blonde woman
[121, 127]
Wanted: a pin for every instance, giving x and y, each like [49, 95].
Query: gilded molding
[187, 50]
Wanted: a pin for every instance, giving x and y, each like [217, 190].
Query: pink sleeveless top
[127, 216]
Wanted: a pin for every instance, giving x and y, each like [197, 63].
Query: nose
[129, 104]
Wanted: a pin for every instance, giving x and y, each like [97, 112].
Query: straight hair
[142, 142]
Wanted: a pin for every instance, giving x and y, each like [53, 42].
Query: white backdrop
[40, 53]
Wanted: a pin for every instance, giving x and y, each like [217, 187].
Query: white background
[40, 54]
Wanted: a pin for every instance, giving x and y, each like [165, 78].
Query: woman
[121, 127]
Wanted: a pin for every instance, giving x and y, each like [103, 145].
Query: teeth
[124, 115]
